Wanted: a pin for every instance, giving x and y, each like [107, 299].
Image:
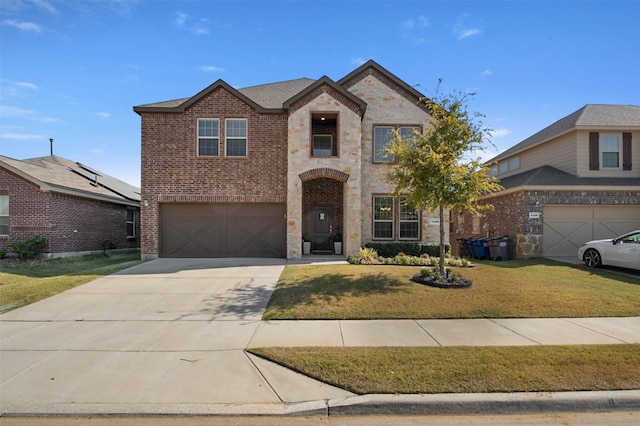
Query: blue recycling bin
[481, 248]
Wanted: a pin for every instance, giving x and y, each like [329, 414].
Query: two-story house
[574, 181]
[251, 172]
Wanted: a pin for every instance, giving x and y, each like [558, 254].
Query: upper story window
[383, 135]
[236, 137]
[505, 166]
[324, 133]
[131, 223]
[610, 151]
[4, 215]
[208, 137]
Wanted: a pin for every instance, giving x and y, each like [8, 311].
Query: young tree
[434, 170]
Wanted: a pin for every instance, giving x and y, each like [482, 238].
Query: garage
[222, 230]
[565, 228]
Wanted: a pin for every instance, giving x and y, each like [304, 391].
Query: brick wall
[70, 224]
[172, 168]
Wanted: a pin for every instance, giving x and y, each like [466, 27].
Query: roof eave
[583, 188]
[326, 80]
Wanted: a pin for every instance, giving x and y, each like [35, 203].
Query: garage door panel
[222, 230]
[565, 228]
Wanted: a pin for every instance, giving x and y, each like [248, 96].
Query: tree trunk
[442, 248]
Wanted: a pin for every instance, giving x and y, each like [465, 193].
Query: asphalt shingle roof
[63, 174]
[550, 176]
[593, 116]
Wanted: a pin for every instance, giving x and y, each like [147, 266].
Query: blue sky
[72, 70]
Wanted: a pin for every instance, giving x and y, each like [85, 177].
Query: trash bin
[502, 249]
[462, 246]
[481, 248]
[471, 247]
[494, 244]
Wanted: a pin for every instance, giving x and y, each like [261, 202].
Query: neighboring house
[76, 208]
[251, 172]
[574, 181]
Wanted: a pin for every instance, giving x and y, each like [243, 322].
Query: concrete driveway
[166, 336]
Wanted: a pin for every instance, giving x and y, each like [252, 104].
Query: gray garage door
[565, 228]
[223, 230]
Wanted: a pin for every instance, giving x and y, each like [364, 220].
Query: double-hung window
[383, 218]
[383, 135]
[236, 137]
[208, 137]
[4, 215]
[131, 223]
[610, 149]
[409, 221]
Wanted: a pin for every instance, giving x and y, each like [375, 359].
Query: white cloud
[462, 30]
[45, 6]
[211, 68]
[21, 136]
[500, 133]
[103, 114]
[487, 72]
[22, 26]
[358, 61]
[181, 19]
[200, 27]
[25, 85]
[16, 112]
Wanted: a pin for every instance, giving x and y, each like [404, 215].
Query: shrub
[368, 256]
[408, 249]
[2, 254]
[29, 248]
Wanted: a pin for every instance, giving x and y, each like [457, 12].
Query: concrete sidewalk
[168, 337]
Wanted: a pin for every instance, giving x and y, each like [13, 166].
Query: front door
[322, 230]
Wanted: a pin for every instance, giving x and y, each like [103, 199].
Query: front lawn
[411, 370]
[22, 283]
[512, 289]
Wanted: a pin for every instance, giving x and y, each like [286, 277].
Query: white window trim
[392, 221]
[313, 147]
[207, 137]
[133, 222]
[6, 215]
[601, 153]
[227, 137]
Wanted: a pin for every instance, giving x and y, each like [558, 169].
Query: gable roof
[58, 174]
[357, 104]
[550, 176]
[591, 116]
[277, 97]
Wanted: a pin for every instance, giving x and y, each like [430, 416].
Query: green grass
[513, 289]
[410, 370]
[27, 282]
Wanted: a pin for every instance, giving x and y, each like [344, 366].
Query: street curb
[379, 404]
[488, 403]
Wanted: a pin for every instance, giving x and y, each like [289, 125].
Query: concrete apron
[164, 337]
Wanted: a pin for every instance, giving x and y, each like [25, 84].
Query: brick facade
[70, 224]
[173, 170]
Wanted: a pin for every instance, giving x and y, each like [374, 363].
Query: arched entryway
[323, 208]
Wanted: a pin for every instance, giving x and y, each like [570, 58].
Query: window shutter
[594, 151]
[626, 151]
